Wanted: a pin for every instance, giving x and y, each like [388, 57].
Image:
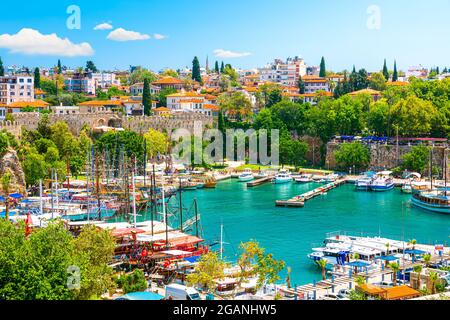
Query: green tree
[395, 74]
[90, 67]
[139, 74]
[417, 159]
[236, 105]
[34, 167]
[322, 264]
[385, 71]
[162, 97]
[413, 116]
[377, 120]
[4, 143]
[216, 67]
[147, 98]
[377, 82]
[6, 190]
[2, 69]
[157, 143]
[59, 67]
[133, 282]
[418, 269]
[274, 97]
[196, 75]
[301, 85]
[37, 78]
[352, 154]
[433, 278]
[395, 267]
[209, 269]
[222, 67]
[323, 71]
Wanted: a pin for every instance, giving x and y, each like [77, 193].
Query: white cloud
[158, 36]
[220, 53]
[32, 42]
[103, 26]
[121, 34]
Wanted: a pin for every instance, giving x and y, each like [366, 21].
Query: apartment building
[16, 88]
[104, 80]
[284, 72]
[314, 84]
[80, 83]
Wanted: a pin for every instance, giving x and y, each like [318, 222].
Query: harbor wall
[384, 156]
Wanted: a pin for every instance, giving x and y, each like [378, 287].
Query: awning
[387, 258]
[416, 252]
[176, 252]
[16, 196]
[358, 264]
[192, 259]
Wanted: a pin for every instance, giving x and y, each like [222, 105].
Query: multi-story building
[138, 88]
[314, 84]
[284, 72]
[169, 82]
[80, 83]
[17, 88]
[104, 80]
[192, 102]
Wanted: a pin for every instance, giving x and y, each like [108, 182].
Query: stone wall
[384, 156]
[76, 122]
[11, 126]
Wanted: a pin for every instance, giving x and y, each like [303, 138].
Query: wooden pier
[259, 182]
[300, 200]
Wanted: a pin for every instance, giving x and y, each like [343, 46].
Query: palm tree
[418, 270]
[395, 268]
[387, 253]
[360, 280]
[427, 259]
[413, 242]
[433, 277]
[322, 263]
[6, 185]
[288, 278]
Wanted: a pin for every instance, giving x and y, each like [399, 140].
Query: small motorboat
[305, 178]
[261, 175]
[282, 177]
[246, 176]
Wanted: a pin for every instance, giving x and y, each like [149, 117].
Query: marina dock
[299, 201]
[259, 182]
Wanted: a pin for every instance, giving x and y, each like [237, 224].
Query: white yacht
[283, 176]
[383, 181]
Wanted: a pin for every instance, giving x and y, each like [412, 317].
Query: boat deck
[259, 182]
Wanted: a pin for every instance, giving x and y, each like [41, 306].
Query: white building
[80, 83]
[416, 71]
[284, 72]
[104, 80]
[137, 89]
[314, 84]
[192, 102]
[17, 88]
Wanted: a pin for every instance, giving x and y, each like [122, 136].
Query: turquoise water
[288, 233]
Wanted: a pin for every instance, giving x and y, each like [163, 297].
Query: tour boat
[436, 200]
[246, 176]
[330, 178]
[382, 181]
[305, 178]
[282, 177]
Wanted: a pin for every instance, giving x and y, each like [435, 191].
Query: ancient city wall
[30, 120]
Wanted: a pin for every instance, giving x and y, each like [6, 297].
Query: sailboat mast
[181, 208]
[196, 217]
[41, 205]
[431, 167]
[134, 198]
[221, 241]
[97, 183]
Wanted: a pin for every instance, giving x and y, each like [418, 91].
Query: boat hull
[382, 188]
[246, 179]
[430, 207]
[281, 181]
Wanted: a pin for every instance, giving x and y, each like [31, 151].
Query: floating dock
[259, 182]
[300, 200]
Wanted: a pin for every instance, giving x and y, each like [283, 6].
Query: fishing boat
[210, 183]
[383, 181]
[364, 182]
[246, 176]
[304, 178]
[282, 177]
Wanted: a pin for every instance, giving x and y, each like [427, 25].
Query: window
[29, 80]
[21, 80]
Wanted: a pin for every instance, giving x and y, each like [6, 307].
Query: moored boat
[305, 178]
[246, 176]
[282, 177]
[435, 201]
[383, 181]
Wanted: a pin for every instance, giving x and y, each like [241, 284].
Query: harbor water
[291, 233]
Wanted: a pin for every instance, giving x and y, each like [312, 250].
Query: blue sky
[413, 32]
